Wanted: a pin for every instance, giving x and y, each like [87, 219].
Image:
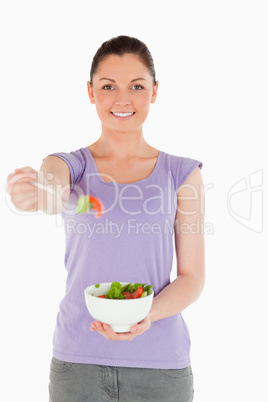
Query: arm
[190, 251]
[54, 173]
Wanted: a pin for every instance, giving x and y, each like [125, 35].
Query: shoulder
[182, 168]
[182, 162]
[76, 162]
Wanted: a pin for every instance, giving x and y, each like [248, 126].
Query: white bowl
[120, 314]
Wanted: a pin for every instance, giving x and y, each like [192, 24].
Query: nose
[122, 99]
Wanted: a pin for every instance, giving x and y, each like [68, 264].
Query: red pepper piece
[128, 295]
[96, 205]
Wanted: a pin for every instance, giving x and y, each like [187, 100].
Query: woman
[147, 196]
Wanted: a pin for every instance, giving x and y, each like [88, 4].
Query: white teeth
[123, 114]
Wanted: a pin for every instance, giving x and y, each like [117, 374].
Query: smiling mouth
[123, 114]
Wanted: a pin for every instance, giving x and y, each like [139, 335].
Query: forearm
[175, 297]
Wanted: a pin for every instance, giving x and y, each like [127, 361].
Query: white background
[211, 63]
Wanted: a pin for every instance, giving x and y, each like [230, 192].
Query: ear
[90, 92]
[154, 94]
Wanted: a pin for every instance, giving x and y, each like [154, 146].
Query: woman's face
[122, 84]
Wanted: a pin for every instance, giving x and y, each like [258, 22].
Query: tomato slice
[138, 292]
[135, 295]
[103, 297]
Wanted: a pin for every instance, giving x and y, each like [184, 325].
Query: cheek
[103, 102]
[144, 104]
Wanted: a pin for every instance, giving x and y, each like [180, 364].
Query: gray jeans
[75, 382]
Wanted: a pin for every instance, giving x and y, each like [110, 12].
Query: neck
[122, 145]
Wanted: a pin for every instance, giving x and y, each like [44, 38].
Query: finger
[19, 178]
[26, 205]
[25, 169]
[24, 196]
[96, 326]
[25, 185]
[22, 188]
[137, 327]
[115, 336]
[10, 176]
[93, 326]
[108, 333]
[142, 326]
[134, 329]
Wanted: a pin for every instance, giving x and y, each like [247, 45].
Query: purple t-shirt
[131, 242]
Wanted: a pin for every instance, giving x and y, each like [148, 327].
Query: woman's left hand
[108, 333]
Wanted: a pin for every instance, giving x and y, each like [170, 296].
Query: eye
[138, 87]
[107, 86]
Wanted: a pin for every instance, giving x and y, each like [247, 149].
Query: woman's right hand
[24, 195]
[54, 173]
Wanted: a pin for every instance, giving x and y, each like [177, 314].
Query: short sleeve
[181, 168]
[76, 163]
[186, 167]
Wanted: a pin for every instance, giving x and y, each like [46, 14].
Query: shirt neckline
[125, 184]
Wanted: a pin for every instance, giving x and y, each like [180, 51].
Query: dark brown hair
[120, 45]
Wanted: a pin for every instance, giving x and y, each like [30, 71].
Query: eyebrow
[110, 79]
